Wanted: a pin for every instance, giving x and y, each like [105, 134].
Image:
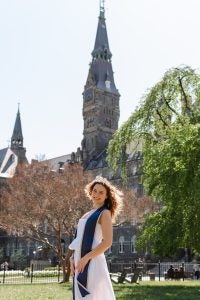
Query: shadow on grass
[67, 286]
[157, 292]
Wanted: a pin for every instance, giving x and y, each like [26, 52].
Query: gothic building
[10, 158]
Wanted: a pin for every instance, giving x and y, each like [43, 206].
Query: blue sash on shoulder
[86, 247]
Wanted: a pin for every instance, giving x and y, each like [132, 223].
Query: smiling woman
[98, 195]
[93, 238]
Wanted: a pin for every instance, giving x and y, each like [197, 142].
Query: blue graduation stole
[86, 247]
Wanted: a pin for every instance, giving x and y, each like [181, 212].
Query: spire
[102, 8]
[101, 64]
[101, 46]
[17, 137]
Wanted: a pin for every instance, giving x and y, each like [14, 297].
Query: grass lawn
[143, 291]
[159, 291]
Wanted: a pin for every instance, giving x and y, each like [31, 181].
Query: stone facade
[123, 247]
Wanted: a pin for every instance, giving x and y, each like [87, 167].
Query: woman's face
[98, 195]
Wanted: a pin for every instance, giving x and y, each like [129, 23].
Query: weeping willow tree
[167, 122]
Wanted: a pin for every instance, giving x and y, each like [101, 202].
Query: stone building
[15, 154]
[11, 157]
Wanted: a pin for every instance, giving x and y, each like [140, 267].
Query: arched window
[8, 249]
[121, 244]
[133, 239]
[13, 248]
[28, 248]
[45, 225]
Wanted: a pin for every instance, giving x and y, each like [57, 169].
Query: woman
[93, 238]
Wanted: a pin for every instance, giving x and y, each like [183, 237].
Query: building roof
[57, 162]
[98, 162]
[101, 67]
[101, 41]
[8, 163]
[17, 137]
[2, 155]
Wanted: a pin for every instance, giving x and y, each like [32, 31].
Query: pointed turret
[101, 46]
[101, 57]
[17, 137]
[17, 140]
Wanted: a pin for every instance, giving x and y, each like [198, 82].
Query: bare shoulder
[106, 212]
[105, 216]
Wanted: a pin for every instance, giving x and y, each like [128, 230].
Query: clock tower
[100, 97]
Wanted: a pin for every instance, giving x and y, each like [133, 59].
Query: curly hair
[113, 202]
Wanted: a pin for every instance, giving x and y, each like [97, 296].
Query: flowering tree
[44, 206]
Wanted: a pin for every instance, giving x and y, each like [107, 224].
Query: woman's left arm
[107, 232]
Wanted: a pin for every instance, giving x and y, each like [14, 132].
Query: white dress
[98, 281]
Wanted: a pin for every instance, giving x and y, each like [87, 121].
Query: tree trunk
[66, 266]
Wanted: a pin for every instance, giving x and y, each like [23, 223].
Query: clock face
[88, 95]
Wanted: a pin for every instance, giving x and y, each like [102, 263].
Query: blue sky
[45, 52]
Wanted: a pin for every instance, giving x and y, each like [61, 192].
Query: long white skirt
[98, 282]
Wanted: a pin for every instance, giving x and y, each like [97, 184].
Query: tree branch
[161, 118]
[183, 92]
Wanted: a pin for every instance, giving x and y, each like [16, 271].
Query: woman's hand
[82, 263]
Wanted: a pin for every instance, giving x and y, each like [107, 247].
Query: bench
[118, 277]
[133, 277]
[178, 275]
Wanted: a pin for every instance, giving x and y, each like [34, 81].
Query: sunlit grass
[167, 290]
[53, 291]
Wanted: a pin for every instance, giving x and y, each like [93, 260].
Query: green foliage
[172, 173]
[173, 162]
[162, 233]
[45, 274]
[167, 122]
[177, 93]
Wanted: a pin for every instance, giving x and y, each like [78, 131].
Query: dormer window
[107, 83]
[105, 54]
[121, 244]
[133, 239]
